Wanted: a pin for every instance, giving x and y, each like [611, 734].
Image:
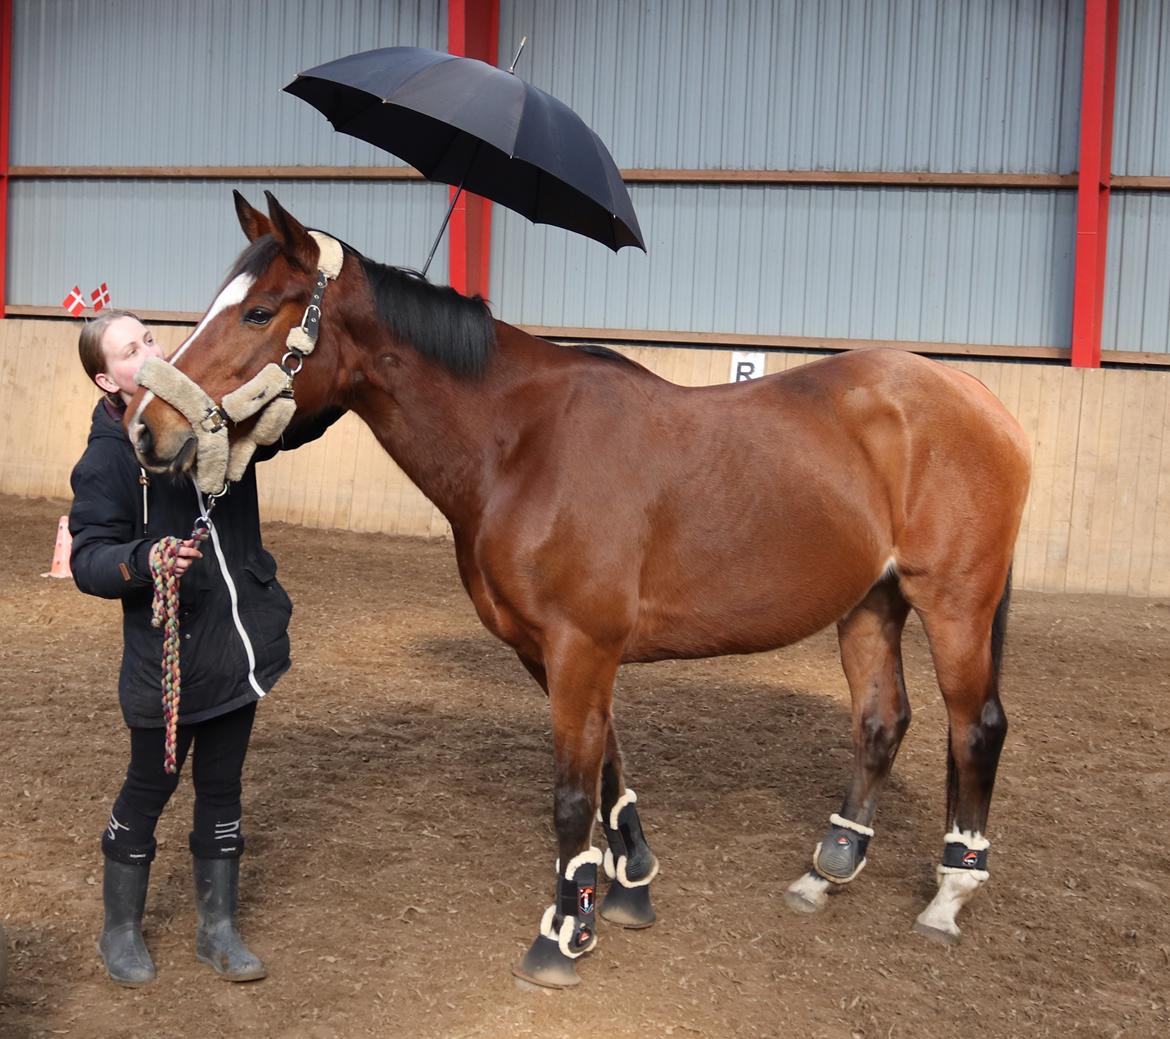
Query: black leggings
[221, 744]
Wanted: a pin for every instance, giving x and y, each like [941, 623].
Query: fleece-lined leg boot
[217, 942]
[121, 945]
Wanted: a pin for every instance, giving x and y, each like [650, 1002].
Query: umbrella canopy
[467, 123]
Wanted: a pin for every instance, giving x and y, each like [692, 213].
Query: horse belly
[756, 585]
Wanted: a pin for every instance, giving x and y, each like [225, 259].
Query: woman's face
[127, 343]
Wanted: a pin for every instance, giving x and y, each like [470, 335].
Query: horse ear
[254, 223]
[293, 239]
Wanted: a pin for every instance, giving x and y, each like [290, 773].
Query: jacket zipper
[232, 595]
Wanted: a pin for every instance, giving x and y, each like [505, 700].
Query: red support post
[473, 31]
[1093, 180]
[5, 105]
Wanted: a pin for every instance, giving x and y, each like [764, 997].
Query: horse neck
[438, 427]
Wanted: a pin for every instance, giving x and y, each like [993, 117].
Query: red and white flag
[74, 302]
[100, 296]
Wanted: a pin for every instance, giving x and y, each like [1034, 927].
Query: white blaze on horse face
[233, 292]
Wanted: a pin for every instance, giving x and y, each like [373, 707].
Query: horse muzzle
[175, 455]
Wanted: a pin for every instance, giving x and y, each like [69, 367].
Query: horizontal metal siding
[891, 85]
[1136, 313]
[1141, 145]
[165, 245]
[192, 82]
[946, 265]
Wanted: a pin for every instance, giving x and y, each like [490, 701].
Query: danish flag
[100, 296]
[74, 302]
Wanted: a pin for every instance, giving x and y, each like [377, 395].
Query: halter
[269, 392]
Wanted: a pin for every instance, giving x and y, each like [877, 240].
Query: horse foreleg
[871, 655]
[629, 862]
[580, 686]
[966, 658]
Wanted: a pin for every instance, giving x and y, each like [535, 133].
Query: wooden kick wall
[1098, 519]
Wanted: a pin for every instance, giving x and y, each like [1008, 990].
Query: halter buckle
[216, 417]
[286, 368]
[309, 323]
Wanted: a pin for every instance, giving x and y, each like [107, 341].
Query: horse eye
[258, 316]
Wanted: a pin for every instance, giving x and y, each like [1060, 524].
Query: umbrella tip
[512, 67]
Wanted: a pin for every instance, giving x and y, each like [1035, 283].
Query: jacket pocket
[265, 607]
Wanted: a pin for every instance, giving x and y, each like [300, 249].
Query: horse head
[229, 386]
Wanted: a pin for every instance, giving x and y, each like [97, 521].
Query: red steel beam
[473, 31]
[5, 107]
[1093, 180]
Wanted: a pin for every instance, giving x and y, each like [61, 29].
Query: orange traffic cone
[60, 567]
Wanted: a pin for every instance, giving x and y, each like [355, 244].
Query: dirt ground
[398, 813]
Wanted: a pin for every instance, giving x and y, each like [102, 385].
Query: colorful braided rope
[165, 615]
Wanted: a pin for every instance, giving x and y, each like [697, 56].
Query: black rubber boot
[217, 942]
[121, 946]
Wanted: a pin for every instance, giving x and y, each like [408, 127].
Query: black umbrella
[470, 124]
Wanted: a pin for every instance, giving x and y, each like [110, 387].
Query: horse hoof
[937, 934]
[808, 894]
[545, 966]
[628, 907]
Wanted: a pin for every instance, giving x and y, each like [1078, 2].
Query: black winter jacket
[233, 612]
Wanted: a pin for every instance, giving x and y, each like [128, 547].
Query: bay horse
[602, 515]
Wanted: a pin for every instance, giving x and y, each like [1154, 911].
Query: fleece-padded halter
[268, 392]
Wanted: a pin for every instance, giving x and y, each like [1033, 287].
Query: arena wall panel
[1098, 518]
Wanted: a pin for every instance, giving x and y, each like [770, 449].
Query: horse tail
[999, 624]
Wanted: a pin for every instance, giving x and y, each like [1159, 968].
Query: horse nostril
[145, 440]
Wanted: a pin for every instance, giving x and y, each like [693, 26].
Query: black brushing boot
[630, 866]
[217, 942]
[567, 928]
[121, 945]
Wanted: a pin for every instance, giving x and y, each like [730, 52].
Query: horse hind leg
[629, 863]
[871, 655]
[967, 648]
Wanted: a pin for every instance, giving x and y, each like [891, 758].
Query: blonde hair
[89, 343]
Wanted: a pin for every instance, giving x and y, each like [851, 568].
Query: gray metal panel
[872, 263]
[192, 82]
[1136, 314]
[164, 245]
[1141, 145]
[953, 85]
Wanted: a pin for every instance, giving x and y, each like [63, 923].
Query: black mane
[453, 330]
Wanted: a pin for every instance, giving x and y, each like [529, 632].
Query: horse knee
[881, 736]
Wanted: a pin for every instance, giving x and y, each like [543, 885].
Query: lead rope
[165, 615]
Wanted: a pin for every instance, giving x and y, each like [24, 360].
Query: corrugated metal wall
[971, 85]
[1137, 282]
[985, 86]
[192, 82]
[165, 244]
[879, 85]
[943, 265]
[153, 83]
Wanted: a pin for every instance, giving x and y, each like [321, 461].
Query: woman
[234, 623]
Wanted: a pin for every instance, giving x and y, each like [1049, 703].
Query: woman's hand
[188, 553]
